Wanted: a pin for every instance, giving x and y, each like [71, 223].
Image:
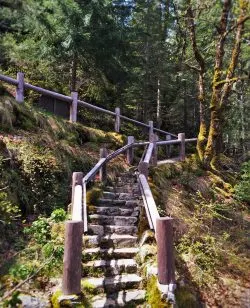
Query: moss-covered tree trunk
[202, 137]
[222, 88]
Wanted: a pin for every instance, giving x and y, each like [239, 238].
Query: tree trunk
[202, 137]
[158, 107]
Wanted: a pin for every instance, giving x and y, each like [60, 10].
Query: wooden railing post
[130, 152]
[117, 119]
[154, 138]
[151, 128]
[165, 250]
[103, 170]
[168, 147]
[143, 168]
[73, 107]
[76, 180]
[20, 88]
[71, 283]
[181, 137]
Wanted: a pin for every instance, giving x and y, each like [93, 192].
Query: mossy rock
[93, 195]
[185, 298]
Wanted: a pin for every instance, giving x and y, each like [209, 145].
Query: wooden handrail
[90, 175]
[69, 99]
[149, 153]
[150, 206]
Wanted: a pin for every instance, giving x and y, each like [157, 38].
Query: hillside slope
[38, 153]
[212, 232]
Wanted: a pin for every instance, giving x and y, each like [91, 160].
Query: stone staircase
[109, 268]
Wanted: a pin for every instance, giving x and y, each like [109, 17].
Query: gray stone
[110, 241]
[119, 299]
[110, 253]
[114, 283]
[29, 301]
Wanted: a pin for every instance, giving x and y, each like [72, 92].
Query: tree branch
[193, 67]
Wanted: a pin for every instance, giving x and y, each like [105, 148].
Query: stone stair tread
[107, 229]
[112, 280]
[119, 299]
[113, 210]
[125, 250]
[110, 220]
[103, 201]
[111, 262]
[110, 240]
[112, 236]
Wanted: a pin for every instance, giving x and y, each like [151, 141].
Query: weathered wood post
[168, 146]
[117, 119]
[154, 138]
[20, 88]
[181, 137]
[103, 170]
[76, 180]
[71, 283]
[165, 250]
[130, 151]
[73, 107]
[151, 128]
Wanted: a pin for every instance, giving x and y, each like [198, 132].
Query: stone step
[119, 203]
[114, 210]
[110, 195]
[117, 196]
[112, 220]
[109, 241]
[113, 283]
[111, 202]
[110, 267]
[124, 189]
[123, 298]
[109, 229]
[111, 253]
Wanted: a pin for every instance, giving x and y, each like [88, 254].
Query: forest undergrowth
[211, 222]
[38, 153]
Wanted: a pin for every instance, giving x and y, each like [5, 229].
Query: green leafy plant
[21, 271]
[40, 230]
[58, 215]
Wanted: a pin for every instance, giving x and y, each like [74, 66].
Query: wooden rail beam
[71, 282]
[165, 250]
[20, 88]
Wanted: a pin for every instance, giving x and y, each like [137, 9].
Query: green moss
[55, 299]
[153, 295]
[93, 195]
